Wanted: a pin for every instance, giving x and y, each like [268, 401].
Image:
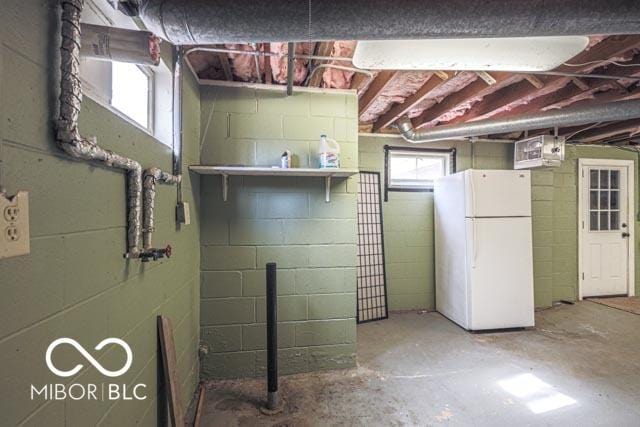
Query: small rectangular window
[131, 87]
[415, 169]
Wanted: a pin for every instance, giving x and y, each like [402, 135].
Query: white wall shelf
[227, 171]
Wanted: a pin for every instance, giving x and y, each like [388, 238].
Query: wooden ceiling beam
[322, 49]
[631, 127]
[376, 87]
[476, 89]
[226, 67]
[268, 75]
[398, 110]
[357, 81]
[609, 49]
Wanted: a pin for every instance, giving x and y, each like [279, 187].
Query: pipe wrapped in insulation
[242, 21]
[119, 44]
[151, 177]
[68, 135]
[622, 110]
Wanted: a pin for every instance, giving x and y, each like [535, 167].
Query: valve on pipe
[154, 254]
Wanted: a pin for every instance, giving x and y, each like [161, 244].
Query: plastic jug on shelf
[329, 153]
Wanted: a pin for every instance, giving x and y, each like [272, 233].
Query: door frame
[631, 213]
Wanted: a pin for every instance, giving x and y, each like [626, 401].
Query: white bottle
[329, 153]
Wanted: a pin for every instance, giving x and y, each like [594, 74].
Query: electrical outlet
[14, 223]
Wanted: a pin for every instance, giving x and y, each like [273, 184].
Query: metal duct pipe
[622, 110]
[68, 135]
[219, 21]
[119, 44]
[151, 177]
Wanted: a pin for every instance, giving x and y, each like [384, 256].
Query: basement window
[415, 169]
[131, 92]
[140, 95]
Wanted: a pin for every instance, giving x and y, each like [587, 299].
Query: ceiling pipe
[250, 21]
[622, 110]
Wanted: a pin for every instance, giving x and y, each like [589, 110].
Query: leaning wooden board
[168, 350]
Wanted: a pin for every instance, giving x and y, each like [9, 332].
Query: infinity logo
[89, 358]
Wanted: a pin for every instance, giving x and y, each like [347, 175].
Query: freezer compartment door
[497, 193]
[501, 273]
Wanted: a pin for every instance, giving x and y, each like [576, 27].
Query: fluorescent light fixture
[497, 54]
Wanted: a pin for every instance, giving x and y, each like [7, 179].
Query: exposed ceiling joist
[268, 76]
[606, 51]
[322, 49]
[224, 61]
[477, 89]
[357, 81]
[375, 89]
[410, 102]
[630, 127]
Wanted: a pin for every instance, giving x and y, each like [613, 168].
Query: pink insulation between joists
[244, 66]
[339, 79]
[279, 63]
[454, 84]
[402, 85]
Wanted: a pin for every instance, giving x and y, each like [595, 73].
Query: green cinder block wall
[280, 219]
[75, 282]
[408, 219]
[409, 234]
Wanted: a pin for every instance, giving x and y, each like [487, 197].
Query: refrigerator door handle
[475, 244]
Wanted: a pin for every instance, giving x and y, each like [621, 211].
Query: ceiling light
[497, 54]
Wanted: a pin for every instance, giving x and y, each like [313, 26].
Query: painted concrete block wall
[280, 219]
[408, 220]
[554, 193]
[555, 222]
[75, 282]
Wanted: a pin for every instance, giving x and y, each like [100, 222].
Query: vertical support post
[272, 338]
[291, 51]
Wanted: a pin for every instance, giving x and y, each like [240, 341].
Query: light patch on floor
[579, 366]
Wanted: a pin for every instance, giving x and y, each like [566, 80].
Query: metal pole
[272, 338]
[291, 51]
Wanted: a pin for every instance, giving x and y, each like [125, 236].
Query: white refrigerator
[484, 253]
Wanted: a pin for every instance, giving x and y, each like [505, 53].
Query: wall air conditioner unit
[538, 152]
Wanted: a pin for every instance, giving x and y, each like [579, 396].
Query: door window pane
[604, 179]
[614, 200]
[593, 221]
[593, 179]
[604, 220]
[593, 200]
[615, 220]
[604, 200]
[615, 179]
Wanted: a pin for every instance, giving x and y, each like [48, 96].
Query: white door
[605, 227]
[497, 193]
[500, 257]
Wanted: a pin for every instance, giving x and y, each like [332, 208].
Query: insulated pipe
[242, 21]
[119, 44]
[151, 177]
[68, 135]
[622, 110]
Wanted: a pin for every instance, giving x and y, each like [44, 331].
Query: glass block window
[604, 200]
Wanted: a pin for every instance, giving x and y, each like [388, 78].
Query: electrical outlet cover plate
[14, 225]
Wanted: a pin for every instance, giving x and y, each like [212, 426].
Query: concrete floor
[579, 366]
